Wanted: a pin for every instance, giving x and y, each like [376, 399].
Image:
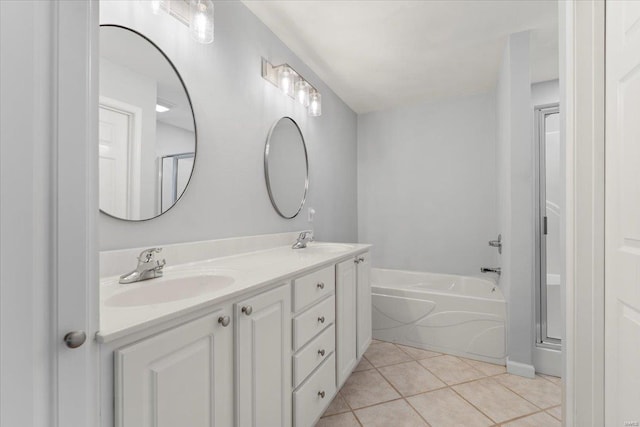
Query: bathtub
[460, 315]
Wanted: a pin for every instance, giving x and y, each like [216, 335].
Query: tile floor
[400, 386]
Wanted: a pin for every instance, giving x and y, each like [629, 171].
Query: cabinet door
[182, 377]
[346, 318]
[264, 359]
[364, 303]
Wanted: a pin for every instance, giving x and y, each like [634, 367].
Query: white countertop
[250, 272]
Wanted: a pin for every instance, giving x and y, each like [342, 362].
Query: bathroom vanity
[226, 338]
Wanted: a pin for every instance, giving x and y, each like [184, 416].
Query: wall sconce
[195, 14]
[292, 84]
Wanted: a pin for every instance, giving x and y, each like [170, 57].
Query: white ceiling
[382, 54]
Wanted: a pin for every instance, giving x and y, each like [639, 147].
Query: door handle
[75, 339]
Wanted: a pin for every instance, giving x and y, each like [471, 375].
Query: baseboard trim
[521, 369]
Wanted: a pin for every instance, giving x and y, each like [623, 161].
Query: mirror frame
[193, 116]
[266, 168]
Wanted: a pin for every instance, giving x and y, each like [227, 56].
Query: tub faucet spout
[496, 270]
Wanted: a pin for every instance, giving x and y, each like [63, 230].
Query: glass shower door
[549, 319]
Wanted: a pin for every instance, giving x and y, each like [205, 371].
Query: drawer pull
[321, 319]
[224, 320]
[321, 352]
[320, 285]
[321, 394]
[247, 309]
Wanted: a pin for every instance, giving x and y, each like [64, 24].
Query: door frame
[582, 90]
[134, 149]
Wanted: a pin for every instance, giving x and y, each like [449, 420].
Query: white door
[346, 318]
[181, 377]
[114, 146]
[364, 302]
[263, 354]
[622, 213]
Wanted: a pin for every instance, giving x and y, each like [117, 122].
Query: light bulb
[286, 80]
[201, 24]
[302, 92]
[155, 6]
[315, 104]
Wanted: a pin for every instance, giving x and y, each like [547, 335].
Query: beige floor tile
[385, 353]
[337, 406]
[374, 341]
[450, 369]
[363, 365]
[495, 400]
[540, 419]
[445, 408]
[417, 353]
[342, 420]
[536, 390]
[367, 388]
[556, 380]
[487, 368]
[410, 378]
[556, 412]
[397, 414]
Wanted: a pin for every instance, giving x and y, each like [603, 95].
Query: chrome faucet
[496, 270]
[304, 238]
[148, 267]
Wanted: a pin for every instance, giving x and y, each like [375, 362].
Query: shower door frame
[542, 338]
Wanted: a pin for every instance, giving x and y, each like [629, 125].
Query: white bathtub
[464, 316]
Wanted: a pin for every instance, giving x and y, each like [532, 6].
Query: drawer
[313, 397]
[311, 355]
[313, 287]
[309, 324]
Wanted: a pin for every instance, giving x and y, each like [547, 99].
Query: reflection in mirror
[286, 167]
[147, 130]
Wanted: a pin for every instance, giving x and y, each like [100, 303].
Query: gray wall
[234, 109]
[515, 162]
[427, 185]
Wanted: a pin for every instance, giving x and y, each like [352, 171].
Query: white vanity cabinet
[346, 318]
[314, 343]
[273, 355]
[353, 313]
[263, 359]
[363, 279]
[180, 377]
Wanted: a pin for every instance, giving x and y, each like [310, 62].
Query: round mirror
[147, 132]
[286, 167]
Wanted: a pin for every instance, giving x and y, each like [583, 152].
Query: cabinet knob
[75, 339]
[360, 259]
[224, 320]
[321, 352]
[321, 394]
[321, 319]
[247, 309]
[321, 285]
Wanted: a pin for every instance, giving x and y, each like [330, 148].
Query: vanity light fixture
[201, 24]
[158, 5]
[195, 14]
[292, 84]
[315, 103]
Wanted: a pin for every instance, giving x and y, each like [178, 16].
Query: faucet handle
[148, 254]
[306, 235]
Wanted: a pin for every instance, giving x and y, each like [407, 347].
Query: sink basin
[169, 289]
[326, 248]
